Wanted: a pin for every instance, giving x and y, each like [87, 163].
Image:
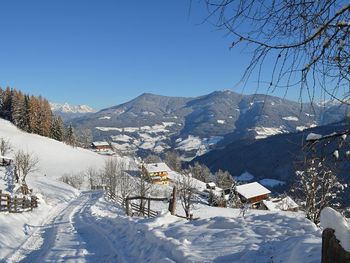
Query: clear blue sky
[103, 53]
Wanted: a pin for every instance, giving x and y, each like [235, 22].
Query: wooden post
[8, 203]
[0, 198]
[172, 203]
[149, 206]
[15, 203]
[24, 202]
[127, 206]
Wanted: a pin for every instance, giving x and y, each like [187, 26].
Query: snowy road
[72, 236]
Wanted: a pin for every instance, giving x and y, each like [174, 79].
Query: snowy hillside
[55, 159]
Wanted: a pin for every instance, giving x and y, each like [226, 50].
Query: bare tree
[126, 184]
[143, 187]
[111, 168]
[152, 159]
[74, 180]
[200, 172]
[223, 179]
[25, 163]
[5, 147]
[307, 42]
[186, 189]
[173, 160]
[93, 177]
[316, 186]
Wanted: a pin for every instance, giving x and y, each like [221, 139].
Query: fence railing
[142, 208]
[14, 204]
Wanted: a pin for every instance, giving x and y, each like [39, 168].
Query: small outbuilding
[5, 161]
[253, 193]
[101, 146]
[281, 204]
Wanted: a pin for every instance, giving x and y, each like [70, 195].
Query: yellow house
[158, 172]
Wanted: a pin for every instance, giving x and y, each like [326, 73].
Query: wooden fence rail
[17, 204]
[133, 208]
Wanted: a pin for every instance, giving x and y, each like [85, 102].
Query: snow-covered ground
[70, 226]
[55, 159]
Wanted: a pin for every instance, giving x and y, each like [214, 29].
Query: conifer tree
[70, 136]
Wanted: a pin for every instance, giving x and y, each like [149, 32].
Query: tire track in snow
[71, 236]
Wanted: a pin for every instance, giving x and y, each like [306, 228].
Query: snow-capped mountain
[68, 111]
[194, 126]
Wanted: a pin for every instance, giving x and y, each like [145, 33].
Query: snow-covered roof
[278, 204]
[252, 190]
[211, 184]
[5, 157]
[100, 143]
[157, 167]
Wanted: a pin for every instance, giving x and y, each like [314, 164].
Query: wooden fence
[17, 204]
[136, 208]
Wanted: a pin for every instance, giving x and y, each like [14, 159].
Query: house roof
[157, 167]
[100, 143]
[252, 190]
[280, 204]
[211, 184]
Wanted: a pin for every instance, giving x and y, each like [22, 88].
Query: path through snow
[72, 236]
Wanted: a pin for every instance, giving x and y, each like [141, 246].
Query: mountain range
[194, 126]
[68, 111]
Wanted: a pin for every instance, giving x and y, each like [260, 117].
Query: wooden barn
[158, 172]
[101, 146]
[253, 193]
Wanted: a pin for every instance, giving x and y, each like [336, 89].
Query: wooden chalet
[101, 146]
[158, 172]
[253, 193]
[5, 161]
[210, 186]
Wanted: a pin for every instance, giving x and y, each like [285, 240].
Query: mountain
[68, 111]
[194, 126]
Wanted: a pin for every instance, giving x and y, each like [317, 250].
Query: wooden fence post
[24, 202]
[172, 203]
[15, 204]
[8, 203]
[149, 206]
[127, 206]
[0, 198]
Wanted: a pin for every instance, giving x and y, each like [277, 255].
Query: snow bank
[334, 220]
[245, 177]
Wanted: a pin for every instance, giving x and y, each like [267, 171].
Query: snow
[280, 204]
[252, 190]
[271, 182]
[157, 167]
[121, 138]
[313, 136]
[244, 177]
[104, 118]
[221, 121]
[55, 159]
[106, 129]
[70, 226]
[189, 144]
[100, 143]
[264, 132]
[334, 220]
[67, 108]
[290, 118]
